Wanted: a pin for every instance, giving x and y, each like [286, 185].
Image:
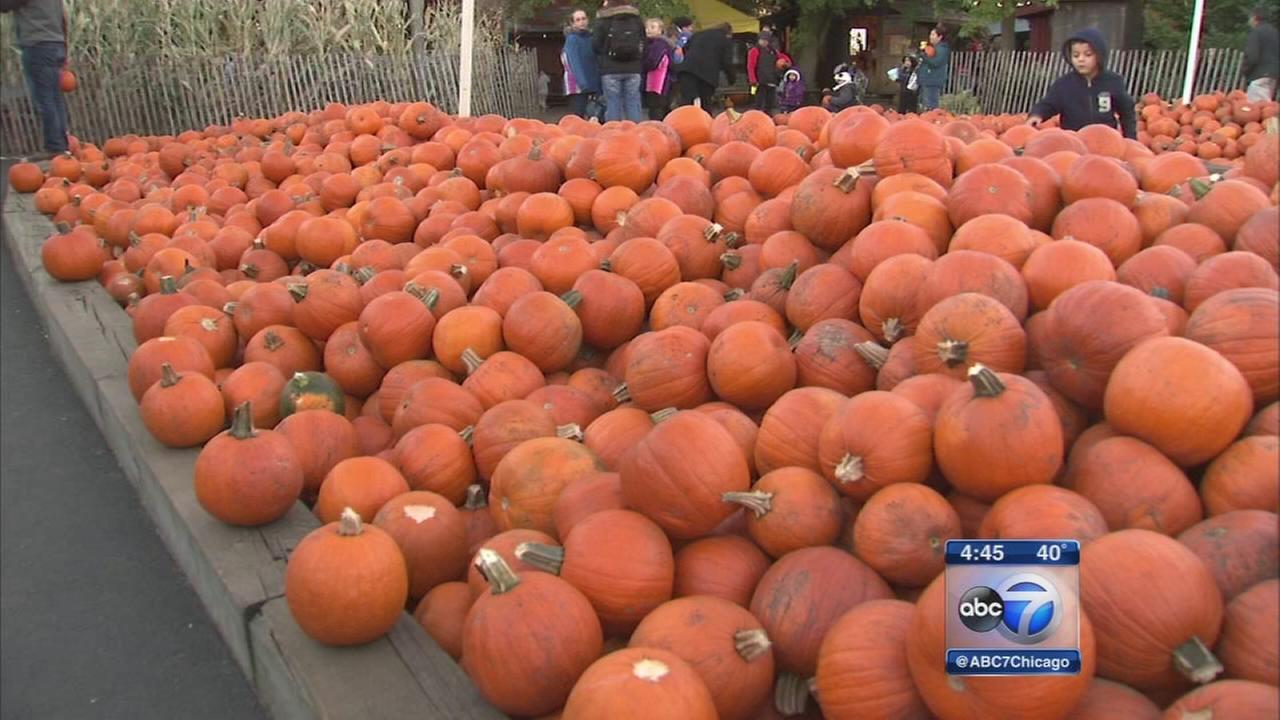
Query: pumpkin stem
[1195, 661]
[733, 240]
[134, 238]
[572, 431]
[1162, 293]
[573, 298]
[985, 382]
[64, 227]
[788, 277]
[606, 265]
[364, 274]
[796, 336]
[548, 558]
[757, 501]
[472, 360]
[731, 260]
[1199, 187]
[874, 354]
[272, 341]
[713, 231]
[349, 523]
[467, 433]
[168, 377]
[892, 329]
[848, 180]
[791, 694]
[230, 307]
[953, 352]
[250, 271]
[458, 270]
[476, 498]
[622, 393]
[849, 469]
[242, 422]
[428, 297]
[306, 267]
[658, 416]
[168, 285]
[735, 294]
[751, 644]
[495, 570]
[298, 291]
[343, 267]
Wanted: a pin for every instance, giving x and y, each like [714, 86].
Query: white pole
[1192, 50]
[464, 62]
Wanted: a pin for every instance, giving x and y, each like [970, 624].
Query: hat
[843, 78]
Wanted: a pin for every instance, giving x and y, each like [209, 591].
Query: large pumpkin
[1238, 547]
[639, 683]
[677, 473]
[997, 433]
[1180, 396]
[1247, 648]
[1043, 511]
[528, 638]
[722, 642]
[1150, 623]
[875, 439]
[529, 479]
[862, 665]
[1134, 486]
[1243, 325]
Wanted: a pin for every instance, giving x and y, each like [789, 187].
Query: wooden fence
[165, 96]
[1013, 82]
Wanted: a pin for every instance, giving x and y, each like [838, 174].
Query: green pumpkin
[311, 391]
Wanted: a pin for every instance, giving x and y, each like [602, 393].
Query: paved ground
[96, 620]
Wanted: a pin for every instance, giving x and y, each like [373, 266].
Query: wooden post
[464, 61]
[1189, 79]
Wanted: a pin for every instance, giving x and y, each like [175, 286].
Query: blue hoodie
[1081, 101]
[581, 60]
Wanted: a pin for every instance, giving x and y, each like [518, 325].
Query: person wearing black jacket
[618, 41]
[1261, 58]
[1090, 94]
[708, 53]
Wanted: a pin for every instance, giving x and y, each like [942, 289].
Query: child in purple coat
[658, 55]
[791, 91]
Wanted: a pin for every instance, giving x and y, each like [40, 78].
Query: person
[618, 41]
[908, 86]
[791, 91]
[843, 95]
[544, 88]
[657, 65]
[934, 67]
[684, 30]
[762, 72]
[707, 54]
[40, 30]
[1261, 58]
[581, 75]
[1090, 94]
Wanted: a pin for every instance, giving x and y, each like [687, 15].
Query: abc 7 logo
[1024, 608]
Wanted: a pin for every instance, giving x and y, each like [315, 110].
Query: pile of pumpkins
[674, 419]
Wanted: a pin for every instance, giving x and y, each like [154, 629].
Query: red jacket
[753, 57]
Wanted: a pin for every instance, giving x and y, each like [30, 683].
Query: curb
[238, 573]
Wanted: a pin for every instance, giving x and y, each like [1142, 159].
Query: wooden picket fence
[1013, 82]
[165, 96]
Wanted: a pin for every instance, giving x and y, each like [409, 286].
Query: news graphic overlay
[1013, 607]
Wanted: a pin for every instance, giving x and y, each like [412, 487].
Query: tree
[981, 13]
[1167, 23]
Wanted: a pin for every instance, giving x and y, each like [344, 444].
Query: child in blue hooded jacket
[1090, 94]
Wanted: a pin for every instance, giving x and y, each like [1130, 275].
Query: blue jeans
[42, 64]
[622, 97]
[930, 96]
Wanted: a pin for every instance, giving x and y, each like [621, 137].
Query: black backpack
[626, 39]
[12, 5]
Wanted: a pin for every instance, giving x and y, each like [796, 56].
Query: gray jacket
[1261, 53]
[39, 21]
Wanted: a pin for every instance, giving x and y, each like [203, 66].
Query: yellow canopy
[707, 13]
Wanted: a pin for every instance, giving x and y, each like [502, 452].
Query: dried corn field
[193, 63]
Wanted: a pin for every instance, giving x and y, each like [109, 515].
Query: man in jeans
[618, 40]
[40, 27]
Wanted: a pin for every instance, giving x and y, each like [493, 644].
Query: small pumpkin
[638, 683]
[182, 409]
[245, 476]
[344, 565]
[311, 391]
[431, 535]
[723, 566]
[790, 508]
[901, 532]
[862, 665]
